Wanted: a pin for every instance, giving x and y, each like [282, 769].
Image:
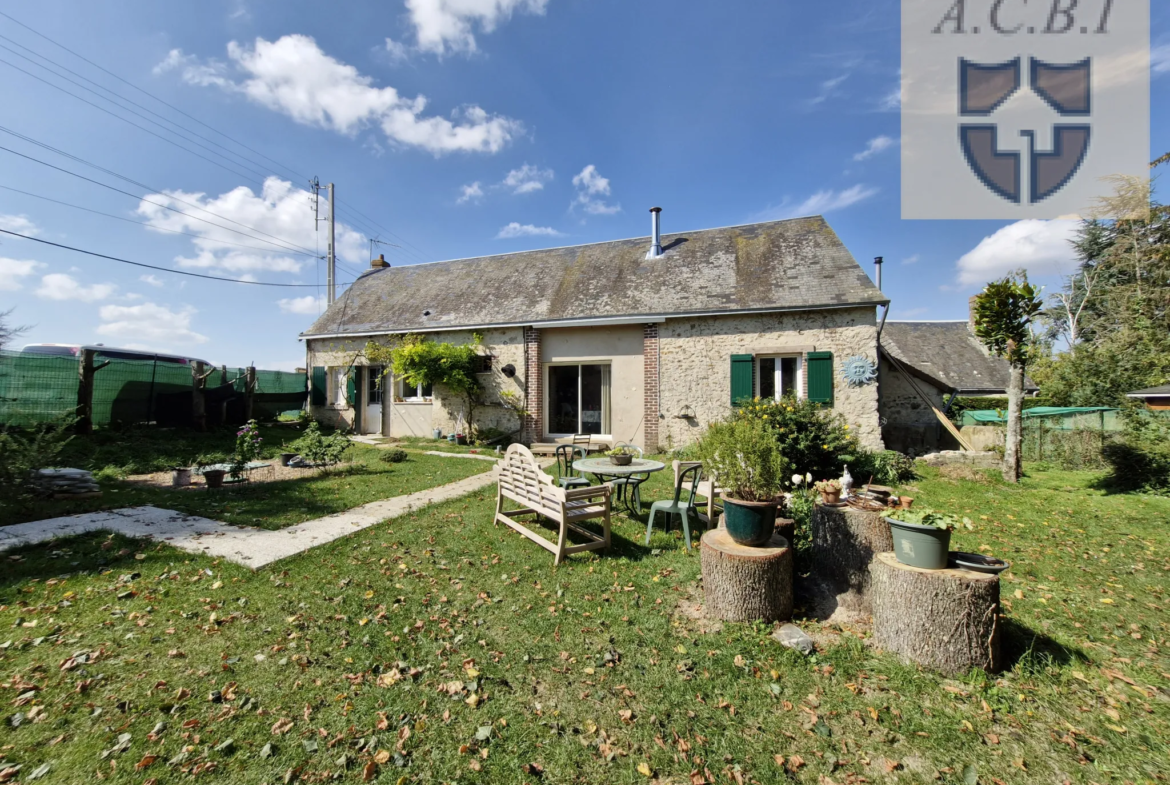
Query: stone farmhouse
[644, 341]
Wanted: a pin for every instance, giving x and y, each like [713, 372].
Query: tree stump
[947, 620]
[745, 584]
[844, 542]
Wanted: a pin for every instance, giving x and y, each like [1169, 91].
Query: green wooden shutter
[819, 368]
[742, 367]
[319, 386]
[357, 378]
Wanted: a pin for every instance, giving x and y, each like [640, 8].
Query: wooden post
[249, 391]
[85, 392]
[947, 620]
[198, 402]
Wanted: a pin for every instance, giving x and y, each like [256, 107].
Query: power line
[281, 244]
[131, 220]
[156, 267]
[150, 95]
[121, 97]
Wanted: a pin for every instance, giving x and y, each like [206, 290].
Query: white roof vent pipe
[656, 233]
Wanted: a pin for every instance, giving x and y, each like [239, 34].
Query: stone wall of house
[908, 424]
[696, 360]
[505, 345]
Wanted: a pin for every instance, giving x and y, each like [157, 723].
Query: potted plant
[181, 477]
[745, 456]
[206, 465]
[830, 491]
[922, 538]
[461, 438]
[621, 456]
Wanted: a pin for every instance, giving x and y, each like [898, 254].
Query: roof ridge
[608, 242]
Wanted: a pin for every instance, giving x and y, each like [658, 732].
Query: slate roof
[781, 265]
[1153, 392]
[948, 355]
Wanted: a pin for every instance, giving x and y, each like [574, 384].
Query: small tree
[1004, 312]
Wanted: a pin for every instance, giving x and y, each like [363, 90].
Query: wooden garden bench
[522, 481]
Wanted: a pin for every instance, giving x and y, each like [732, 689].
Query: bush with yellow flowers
[812, 438]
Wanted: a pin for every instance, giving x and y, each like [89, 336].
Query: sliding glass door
[578, 400]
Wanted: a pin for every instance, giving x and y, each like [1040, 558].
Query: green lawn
[273, 505]
[440, 648]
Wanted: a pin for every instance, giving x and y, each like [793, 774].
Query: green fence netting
[1058, 418]
[39, 389]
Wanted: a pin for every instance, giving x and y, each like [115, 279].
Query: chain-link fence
[39, 389]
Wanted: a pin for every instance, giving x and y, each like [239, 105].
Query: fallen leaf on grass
[369, 771]
[644, 770]
[282, 726]
[794, 763]
[146, 761]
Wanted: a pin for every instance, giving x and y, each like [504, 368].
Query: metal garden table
[605, 469]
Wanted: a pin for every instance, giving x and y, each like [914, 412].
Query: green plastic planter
[749, 523]
[920, 546]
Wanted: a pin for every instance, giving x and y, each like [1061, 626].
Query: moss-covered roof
[780, 265]
[948, 355]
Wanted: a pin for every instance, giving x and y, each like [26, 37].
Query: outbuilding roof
[948, 355]
[781, 265]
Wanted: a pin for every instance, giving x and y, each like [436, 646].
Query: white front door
[375, 384]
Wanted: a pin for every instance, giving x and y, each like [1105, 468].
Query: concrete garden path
[253, 548]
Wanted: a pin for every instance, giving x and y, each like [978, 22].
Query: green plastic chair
[680, 508]
[567, 476]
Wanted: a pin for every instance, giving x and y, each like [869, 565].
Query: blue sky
[452, 128]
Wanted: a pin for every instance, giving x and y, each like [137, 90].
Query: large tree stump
[947, 620]
[844, 542]
[745, 584]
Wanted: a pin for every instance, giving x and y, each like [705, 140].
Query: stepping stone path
[250, 547]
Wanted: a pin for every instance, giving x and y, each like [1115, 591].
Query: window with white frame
[577, 399]
[779, 376]
[415, 392]
[338, 386]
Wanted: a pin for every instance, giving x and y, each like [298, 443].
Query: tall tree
[8, 332]
[1004, 313]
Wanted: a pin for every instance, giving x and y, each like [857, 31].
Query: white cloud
[514, 229]
[527, 178]
[1040, 247]
[912, 259]
[397, 51]
[470, 193]
[1160, 59]
[820, 203]
[591, 186]
[12, 269]
[153, 280]
[892, 101]
[876, 145]
[150, 325]
[294, 77]
[305, 306]
[280, 210]
[446, 25]
[19, 224]
[59, 286]
[828, 89]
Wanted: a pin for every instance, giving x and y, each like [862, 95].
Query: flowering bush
[248, 443]
[828, 486]
[811, 437]
[745, 456]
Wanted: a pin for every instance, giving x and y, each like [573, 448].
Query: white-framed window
[415, 393]
[577, 399]
[779, 375]
[338, 386]
[375, 380]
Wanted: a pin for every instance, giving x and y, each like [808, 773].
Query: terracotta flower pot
[907, 502]
[214, 478]
[831, 497]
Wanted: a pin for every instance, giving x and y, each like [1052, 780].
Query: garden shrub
[1141, 461]
[886, 467]
[393, 455]
[321, 449]
[745, 455]
[22, 453]
[812, 439]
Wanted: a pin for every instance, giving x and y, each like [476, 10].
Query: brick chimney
[379, 262]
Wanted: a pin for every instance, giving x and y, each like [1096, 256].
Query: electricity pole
[331, 271]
